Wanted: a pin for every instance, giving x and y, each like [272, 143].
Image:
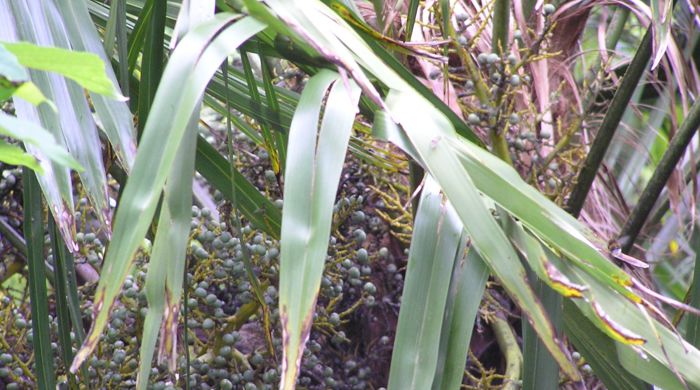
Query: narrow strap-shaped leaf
[67, 303]
[315, 157]
[166, 267]
[77, 124]
[467, 285]
[426, 134]
[34, 236]
[153, 60]
[268, 138]
[411, 17]
[114, 115]
[540, 370]
[138, 34]
[271, 96]
[55, 182]
[692, 326]
[624, 321]
[190, 68]
[434, 244]
[599, 350]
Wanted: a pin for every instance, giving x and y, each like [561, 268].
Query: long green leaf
[153, 60]
[115, 117]
[167, 264]
[55, 181]
[191, 66]
[34, 236]
[611, 314]
[77, 125]
[540, 370]
[168, 259]
[466, 289]
[427, 134]
[692, 326]
[314, 162]
[599, 350]
[434, 245]
[66, 296]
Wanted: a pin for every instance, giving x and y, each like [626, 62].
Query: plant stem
[610, 123]
[511, 351]
[501, 22]
[663, 171]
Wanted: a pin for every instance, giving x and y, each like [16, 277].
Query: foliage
[503, 130]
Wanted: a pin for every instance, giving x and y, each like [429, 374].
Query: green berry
[225, 351]
[362, 256]
[358, 216]
[548, 9]
[334, 319]
[492, 58]
[119, 356]
[519, 145]
[5, 358]
[21, 323]
[514, 80]
[200, 292]
[201, 253]
[512, 59]
[208, 323]
[473, 119]
[228, 339]
[354, 272]
[225, 384]
[257, 359]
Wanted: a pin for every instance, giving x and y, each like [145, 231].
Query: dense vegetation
[348, 194]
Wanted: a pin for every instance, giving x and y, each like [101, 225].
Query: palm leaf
[315, 156]
[212, 41]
